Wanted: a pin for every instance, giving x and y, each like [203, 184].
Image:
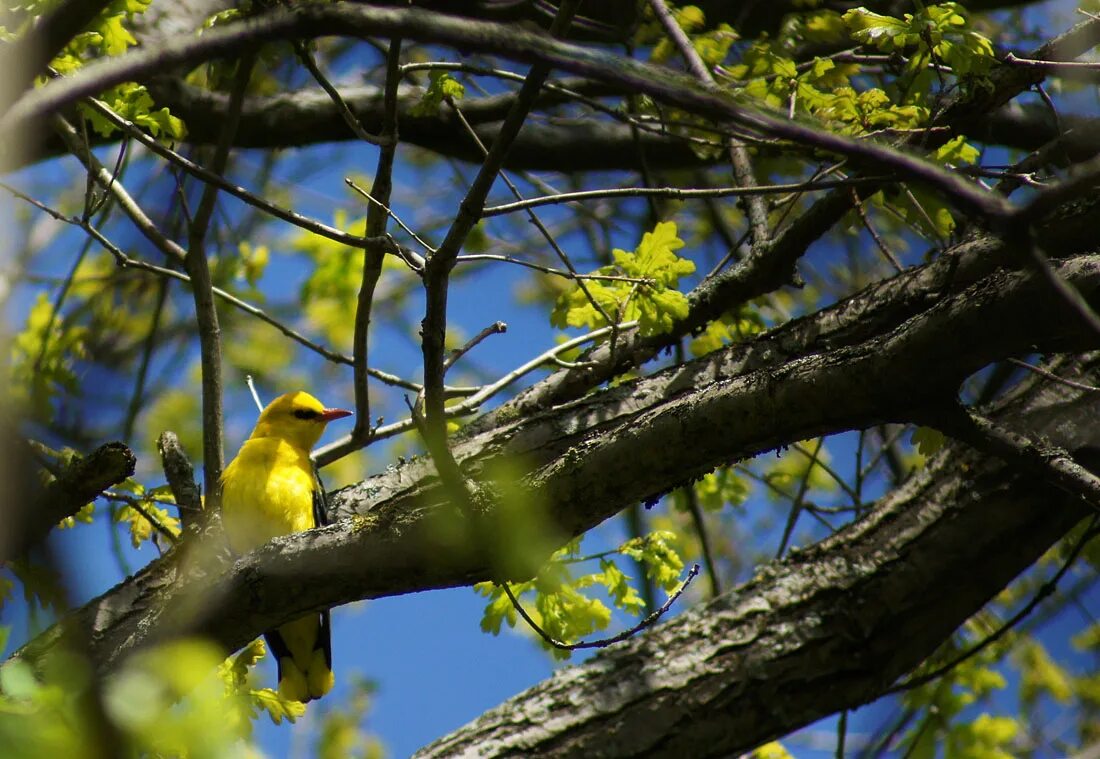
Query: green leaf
[234, 670]
[653, 301]
[85, 516]
[883, 32]
[657, 553]
[624, 595]
[927, 440]
[277, 708]
[956, 152]
[717, 489]
[442, 87]
[1039, 674]
[42, 357]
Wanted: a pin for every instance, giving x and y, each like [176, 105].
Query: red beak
[334, 413]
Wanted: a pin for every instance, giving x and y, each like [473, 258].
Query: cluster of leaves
[143, 511]
[725, 486]
[957, 708]
[42, 357]
[934, 36]
[178, 699]
[712, 45]
[330, 290]
[934, 49]
[943, 702]
[107, 35]
[556, 599]
[730, 327]
[442, 87]
[646, 291]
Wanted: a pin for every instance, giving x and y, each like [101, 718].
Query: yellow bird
[271, 488]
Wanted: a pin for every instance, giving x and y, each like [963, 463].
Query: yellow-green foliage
[939, 34]
[555, 598]
[330, 290]
[42, 357]
[144, 512]
[652, 298]
[773, 750]
[787, 473]
[731, 327]
[341, 735]
[178, 699]
[442, 87]
[107, 35]
[715, 490]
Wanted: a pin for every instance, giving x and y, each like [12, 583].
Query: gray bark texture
[819, 632]
[830, 626]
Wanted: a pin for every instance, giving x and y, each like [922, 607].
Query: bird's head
[296, 417]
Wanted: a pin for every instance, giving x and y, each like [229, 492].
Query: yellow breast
[266, 491]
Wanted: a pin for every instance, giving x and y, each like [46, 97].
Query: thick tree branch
[27, 57]
[76, 485]
[815, 633]
[307, 21]
[922, 333]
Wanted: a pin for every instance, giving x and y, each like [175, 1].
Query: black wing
[320, 519]
[320, 502]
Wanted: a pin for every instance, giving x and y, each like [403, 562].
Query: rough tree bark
[828, 628]
[910, 341]
[813, 634]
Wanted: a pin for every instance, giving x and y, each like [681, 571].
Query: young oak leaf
[657, 553]
[651, 298]
[234, 670]
[623, 594]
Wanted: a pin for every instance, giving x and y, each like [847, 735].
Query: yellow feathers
[271, 489]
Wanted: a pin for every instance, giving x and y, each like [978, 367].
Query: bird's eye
[305, 413]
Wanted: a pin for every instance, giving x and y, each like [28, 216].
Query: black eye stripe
[304, 413]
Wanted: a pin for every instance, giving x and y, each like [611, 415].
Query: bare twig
[473, 401]
[496, 328]
[305, 55]
[1045, 590]
[374, 253]
[1053, 66]
[200, 172]
[537, 222]
[206, 314]
[1054, 377]
[474, 257]
[677, 193]
[797, 504]
[439, 266]
[857, 203]
[255, 395]
[416, 264]
[701, 532]
[739, 155]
